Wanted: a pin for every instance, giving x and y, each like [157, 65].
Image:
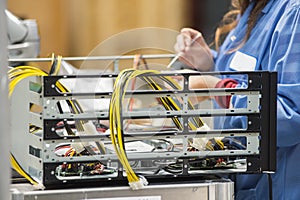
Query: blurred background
[76, 27]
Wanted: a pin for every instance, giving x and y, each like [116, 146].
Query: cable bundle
[115, 113]
[82, 127]
[19, 73]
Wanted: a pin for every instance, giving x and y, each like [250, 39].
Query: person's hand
[193, 50]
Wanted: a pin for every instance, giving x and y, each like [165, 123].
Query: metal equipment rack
[36, 152]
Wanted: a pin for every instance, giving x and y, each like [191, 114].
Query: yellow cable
[120, 86]
[58, 65]
[172, 102]
[16, 75]
[115, 125]
[18, 168]
[166, 105]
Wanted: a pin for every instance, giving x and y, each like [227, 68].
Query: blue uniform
[274, 45]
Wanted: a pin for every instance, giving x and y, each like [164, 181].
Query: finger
[181, 44]
[201, 43]
[176, 48]
[179, 51]
[196, 40]
[191, 33]
[199, 40]
[187, 40]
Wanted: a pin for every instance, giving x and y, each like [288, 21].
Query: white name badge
[243, 62]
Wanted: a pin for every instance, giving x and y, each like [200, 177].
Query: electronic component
[160, 140]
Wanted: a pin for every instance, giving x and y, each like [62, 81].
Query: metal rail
[93, 58]
[4, 114]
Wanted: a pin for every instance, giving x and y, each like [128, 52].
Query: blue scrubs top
[274, 45]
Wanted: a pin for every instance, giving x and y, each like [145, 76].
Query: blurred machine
[23, 37]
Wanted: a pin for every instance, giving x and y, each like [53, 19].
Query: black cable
[163, 99]
[66, 125]
[53, 66]
[270, 186]
[232, 177]
[77, 106]
[197, 120]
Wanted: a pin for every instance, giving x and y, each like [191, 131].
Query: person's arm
[205, 81]
[284, 57]
[224, 101]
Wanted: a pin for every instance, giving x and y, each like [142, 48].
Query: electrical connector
[137, 185]
[39, 186]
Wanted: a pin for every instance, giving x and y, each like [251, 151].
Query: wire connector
[39, 186]
[137, 185]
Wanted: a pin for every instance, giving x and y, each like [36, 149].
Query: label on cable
[131, 198]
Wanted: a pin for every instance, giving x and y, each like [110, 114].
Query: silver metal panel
[21, 138]
[49, 156]
[50, 111]
[4, 114]
[197, 191]
[35, 98]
